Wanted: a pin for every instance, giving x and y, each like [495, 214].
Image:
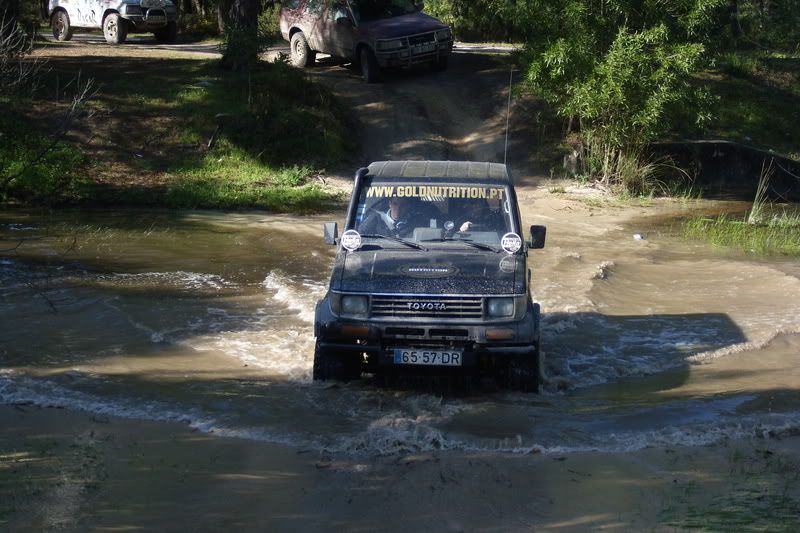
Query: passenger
[399, 220]
[477, 216]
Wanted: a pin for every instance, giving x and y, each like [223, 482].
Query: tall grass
[779, 236]
[757, 213]
[629, 172]
[763, 231]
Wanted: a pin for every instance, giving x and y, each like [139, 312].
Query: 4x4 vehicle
[374, 34]
[431, 276]
[117, 18]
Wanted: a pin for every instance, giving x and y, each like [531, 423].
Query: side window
[338, 10]
[315, 7]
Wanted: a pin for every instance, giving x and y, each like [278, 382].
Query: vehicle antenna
[508, 113]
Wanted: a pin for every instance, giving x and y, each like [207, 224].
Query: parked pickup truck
[374, 34]
[117, 18]
[431, 277]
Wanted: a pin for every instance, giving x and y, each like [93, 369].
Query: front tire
[167, 34]
[301, 54]
[370, 70]
[526, 372]
[62, 29]
[331, 365]
[115, 29]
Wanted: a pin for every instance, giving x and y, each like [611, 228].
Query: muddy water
[206, 318]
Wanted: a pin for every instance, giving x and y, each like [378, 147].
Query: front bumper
[482, 344]
[408, 57]
[151, 19]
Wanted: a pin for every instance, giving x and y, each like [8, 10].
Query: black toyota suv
[430, 276]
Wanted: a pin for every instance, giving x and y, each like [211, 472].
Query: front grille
[413, 332]
[411, 307]
[448, 332]
[425, 38]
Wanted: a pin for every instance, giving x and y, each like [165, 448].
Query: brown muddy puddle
[207, 318]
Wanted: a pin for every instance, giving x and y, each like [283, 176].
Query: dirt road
[413, 114]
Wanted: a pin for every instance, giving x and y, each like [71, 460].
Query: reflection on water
[206, 318]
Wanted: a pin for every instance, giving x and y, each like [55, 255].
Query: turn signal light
[499, 334]
[355, 330]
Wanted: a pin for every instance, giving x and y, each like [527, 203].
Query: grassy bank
[175, 132]
[777, 235]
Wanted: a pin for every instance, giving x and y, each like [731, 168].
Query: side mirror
[330, 232]
[420, 6]
[537, 236]
[344, 20]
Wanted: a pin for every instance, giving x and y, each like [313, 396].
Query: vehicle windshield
[366, 10]
[432, 214]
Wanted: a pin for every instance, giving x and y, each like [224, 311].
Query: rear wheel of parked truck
[62, 30]
[167, 34]
[115, 29]
[335, 365]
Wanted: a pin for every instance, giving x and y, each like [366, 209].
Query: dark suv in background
[373, 34]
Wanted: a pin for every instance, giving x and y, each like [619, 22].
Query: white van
[117, 18]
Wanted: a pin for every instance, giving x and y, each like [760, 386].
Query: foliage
[272, 113]
[479, 20]
[619, 68]
[243, 43]
[759, 24]
[24, 14]
[757, 213]
[200, 24]
[237, 180]
[243, 40]
[271, 128]
[58, 173]
[780, 234]
[18, 72]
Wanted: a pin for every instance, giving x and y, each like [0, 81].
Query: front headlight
[353, 305]
[389, 45]
[443, 35]
[499, 307]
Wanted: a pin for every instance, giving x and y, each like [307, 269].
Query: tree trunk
[240, 22]
[733, 7]
[198, 9]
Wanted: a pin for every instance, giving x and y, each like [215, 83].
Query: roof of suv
[470, 170]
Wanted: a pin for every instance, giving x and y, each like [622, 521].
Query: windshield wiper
[468, 242]
[395, 239]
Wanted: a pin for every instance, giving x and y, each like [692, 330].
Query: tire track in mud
[417, 114]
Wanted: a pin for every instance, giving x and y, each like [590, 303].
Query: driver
[396, 221]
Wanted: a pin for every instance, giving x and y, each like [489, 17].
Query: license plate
[424, 49]
[412, 356]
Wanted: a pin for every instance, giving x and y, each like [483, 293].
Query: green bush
[479, 20]
[44, 171]
[620, 73]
